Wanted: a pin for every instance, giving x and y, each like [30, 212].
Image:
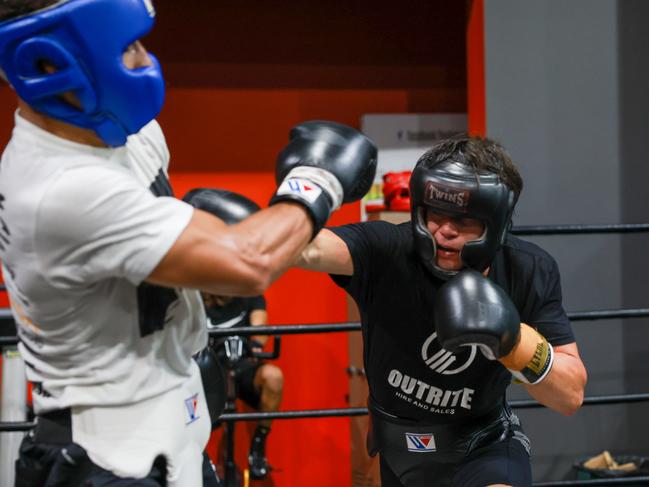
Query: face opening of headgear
[459, 191]
[84, 40]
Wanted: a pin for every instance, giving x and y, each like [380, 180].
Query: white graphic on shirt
[226, 324]
[427, 396]
[441, 360]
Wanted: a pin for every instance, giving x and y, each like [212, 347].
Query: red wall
[314, 365]
[240, 75]
[243, 130]
[476, 69]
[219, 130]
[7, 107]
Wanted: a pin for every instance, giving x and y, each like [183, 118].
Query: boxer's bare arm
[259, 317]
[563, 389]
[327, 253]
[237, 260]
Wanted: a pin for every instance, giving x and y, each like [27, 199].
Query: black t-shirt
[235, 313]
[409, 374]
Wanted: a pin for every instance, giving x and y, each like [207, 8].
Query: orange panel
[212, 131]
[476, 69]
[7, 108]
[243, 130]
[216, 130]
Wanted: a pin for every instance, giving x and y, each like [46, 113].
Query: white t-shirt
[80, 229]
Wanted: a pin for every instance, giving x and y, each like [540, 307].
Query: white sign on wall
[402, 139]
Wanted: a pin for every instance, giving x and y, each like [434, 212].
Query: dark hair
[10, 9]
[481, 153]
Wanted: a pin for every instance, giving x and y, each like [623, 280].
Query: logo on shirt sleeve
[420, 442]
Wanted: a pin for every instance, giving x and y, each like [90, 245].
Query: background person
[257, 383]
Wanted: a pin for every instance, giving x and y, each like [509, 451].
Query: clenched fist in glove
[472, 310]
[324, 165]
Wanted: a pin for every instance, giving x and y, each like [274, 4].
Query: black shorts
[489, 448]
[57, 461]
[245, 371]
[245, 379]
[505, 462]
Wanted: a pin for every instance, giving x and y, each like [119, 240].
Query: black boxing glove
[472, 310]
[228, 206]
[324, 165]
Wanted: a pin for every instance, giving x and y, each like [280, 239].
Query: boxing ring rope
[5, 316]
[12, 426]
[348, 412]
[570, 229]
[356, 326]
[602, 314]
[580, 229]
[6, 323]
[611, 481]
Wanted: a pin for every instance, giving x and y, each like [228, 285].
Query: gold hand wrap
[531, 358]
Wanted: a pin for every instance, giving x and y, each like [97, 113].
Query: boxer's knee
[271, 378]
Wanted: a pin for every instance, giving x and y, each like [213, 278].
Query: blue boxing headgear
[85, 41]
[457, 190]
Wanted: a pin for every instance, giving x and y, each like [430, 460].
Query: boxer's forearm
[327, 253]
[236, 260]
[259, 317]
[562, 390]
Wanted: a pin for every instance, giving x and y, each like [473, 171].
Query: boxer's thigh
[506, 462]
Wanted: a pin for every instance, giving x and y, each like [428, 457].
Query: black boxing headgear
[458, 190]
[228, 206]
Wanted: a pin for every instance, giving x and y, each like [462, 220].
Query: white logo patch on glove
[305, 188]
[309, 182]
